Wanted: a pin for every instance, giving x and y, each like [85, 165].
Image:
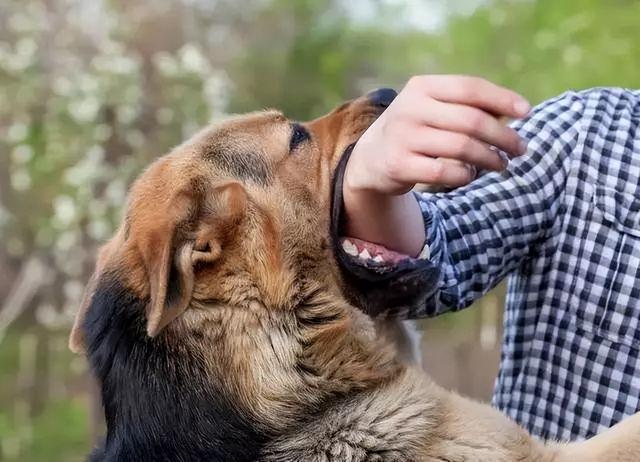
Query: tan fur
[262, 301]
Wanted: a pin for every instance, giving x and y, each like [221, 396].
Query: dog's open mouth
[370, 253]
[363, 252]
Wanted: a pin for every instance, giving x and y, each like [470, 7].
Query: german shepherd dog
[220, 327]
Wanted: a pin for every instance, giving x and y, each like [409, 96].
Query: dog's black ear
[77, 338]
[175, 253]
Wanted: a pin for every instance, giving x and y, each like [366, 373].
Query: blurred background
[92, 90]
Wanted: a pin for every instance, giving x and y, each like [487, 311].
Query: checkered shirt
[562, 224]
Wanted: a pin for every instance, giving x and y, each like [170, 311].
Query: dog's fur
[218, 326]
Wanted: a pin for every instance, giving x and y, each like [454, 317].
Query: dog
[221, 328]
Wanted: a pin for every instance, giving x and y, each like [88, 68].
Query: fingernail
[504, 158]
[523, 146]
[522, 107]
[473, 172]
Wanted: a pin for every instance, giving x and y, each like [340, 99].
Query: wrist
[393, 221]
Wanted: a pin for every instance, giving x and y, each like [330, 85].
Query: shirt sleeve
[477, 234]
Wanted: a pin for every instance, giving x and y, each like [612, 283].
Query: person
[557, 213]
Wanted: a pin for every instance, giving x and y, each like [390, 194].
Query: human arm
[479, 233]
[438, 131]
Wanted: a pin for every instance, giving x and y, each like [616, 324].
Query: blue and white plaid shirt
[562, 223]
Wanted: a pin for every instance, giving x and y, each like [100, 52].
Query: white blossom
[21, 179]
[64, 209]
[84, 110]
[193, 60]
[17, 132]
[22, 153]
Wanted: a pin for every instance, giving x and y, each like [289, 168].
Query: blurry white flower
[65, 242]
[21, 180]
[99, 230]
[165, 63]
[127, 114]
[62, 86]
[193, 60]
[124, 65]
[5, 216]
[217, 91]
[116, 63]
[111, 47]
[20, 22]
[46, 315]
[73, 290]
[64, 210]
[84, 110]
[17, 132]
[22, 57]
[26, 47]
[135, 138]
[116, 192]
[22, 154]
[87, 169]
[95, 154]
[87, 83]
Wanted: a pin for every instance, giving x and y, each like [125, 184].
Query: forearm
[394, 222]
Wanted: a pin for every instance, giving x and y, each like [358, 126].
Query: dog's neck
[286, 361]
[159, 390]
[229, 372]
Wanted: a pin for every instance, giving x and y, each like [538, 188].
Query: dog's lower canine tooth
[425, 254]
[349, 247]
[378, 259]
[365, 255]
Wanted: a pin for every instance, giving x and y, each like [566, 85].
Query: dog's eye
[299, 135]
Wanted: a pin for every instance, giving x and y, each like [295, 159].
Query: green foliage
[321, 57]
[59, 429]
[543, 48]
[91, 91]
[58, 434]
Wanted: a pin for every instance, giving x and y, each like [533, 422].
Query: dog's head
[239, 212]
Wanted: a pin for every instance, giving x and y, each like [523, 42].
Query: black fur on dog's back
[159, 403]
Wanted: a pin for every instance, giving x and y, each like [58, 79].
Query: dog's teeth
[349, 247]
[425, 254]
[365, 255]
[378, 259]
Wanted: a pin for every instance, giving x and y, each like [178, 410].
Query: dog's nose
[382, 96]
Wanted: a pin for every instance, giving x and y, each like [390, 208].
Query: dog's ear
[171, 240]
[172, 253]
[76, 338]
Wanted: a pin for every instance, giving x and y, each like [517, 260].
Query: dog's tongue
[370, 252]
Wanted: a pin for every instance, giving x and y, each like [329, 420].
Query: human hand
[439, 130]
